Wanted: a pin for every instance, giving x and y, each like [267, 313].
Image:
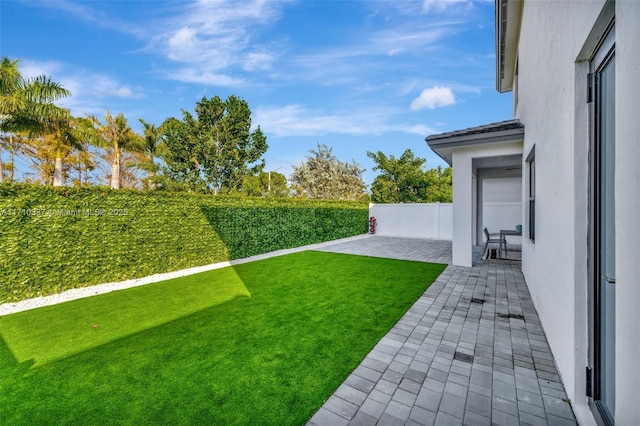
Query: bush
[54, 239]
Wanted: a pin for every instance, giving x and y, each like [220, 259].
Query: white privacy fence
[433, 220]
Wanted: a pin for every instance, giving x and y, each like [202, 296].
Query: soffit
[504, 131]
[508, 16]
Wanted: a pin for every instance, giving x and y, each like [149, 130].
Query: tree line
[212, 150]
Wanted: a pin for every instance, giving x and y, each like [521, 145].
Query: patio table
[506, 232]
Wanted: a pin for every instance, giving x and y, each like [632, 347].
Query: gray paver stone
[373, 408]
[410, 386]
[480, 404]
[341, 407]
[351, 395]
[360, 383]
[399, 410]
[386, 386]
[362, 419]
[453, 405]
[404, 397]
[325, 417]
[557, 407]
[503, 419]
[530, 419]
[421, 416]
[389, 420]
[380, 397]
[532, 398]
[444, 419]
[474, 419]
[429, 399]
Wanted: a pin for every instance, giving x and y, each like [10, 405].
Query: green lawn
[260, 343]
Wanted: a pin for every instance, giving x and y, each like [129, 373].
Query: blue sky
[357, 76]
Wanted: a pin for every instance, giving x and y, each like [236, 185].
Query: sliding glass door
[603, 232]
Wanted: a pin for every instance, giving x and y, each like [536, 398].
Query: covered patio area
[487, 181]
[470, 351]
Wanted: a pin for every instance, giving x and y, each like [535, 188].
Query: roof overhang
[508, 15]
[445, 143]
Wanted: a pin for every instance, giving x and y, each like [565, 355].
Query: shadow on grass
[55, 332]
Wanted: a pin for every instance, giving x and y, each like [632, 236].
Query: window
[531, 161]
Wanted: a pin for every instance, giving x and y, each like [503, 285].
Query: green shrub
[54, 239]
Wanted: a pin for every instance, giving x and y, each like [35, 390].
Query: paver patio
[470, 351]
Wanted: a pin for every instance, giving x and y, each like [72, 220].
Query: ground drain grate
[514, 316]
[476, 300]
[463, 357]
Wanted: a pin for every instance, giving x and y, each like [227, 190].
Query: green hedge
[54, 239]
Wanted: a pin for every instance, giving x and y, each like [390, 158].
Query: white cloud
[434, 97]
[193, 75]
[258, 61]
[441, 5]
[103, 85]
[295, 120]
[89, 90]
[211, 38]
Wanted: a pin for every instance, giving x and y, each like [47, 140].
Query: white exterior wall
[552, 106]
[502, 205]
[552, 34]
[419, 220]
[465, 195]
[463, 213]
[627, 212]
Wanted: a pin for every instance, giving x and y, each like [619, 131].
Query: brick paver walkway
[470, 351]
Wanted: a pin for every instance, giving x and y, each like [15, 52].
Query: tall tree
[439, 185]
[403, 180]
[68, 135]
[216, 149]
[28, 104]
[324, 176]
[115, 135]
[184, 154]
[152, 141]
[40, 153]
[14, 143]
[266, 184]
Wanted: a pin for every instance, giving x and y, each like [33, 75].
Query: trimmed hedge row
[54, 239]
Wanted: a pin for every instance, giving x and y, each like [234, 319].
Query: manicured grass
[190, 351]
[55, 332]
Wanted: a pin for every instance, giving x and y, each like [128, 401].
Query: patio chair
[495, 237]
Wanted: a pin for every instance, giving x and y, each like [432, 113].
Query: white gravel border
[79, 293]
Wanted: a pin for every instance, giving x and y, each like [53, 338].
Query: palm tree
[115, 135]
[28, 104]
[70, 135]
[152, 141]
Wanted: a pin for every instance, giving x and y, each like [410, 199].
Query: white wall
[552, 106]
[502, 205]
[465, 194]
[627, 212]
[551, 37]
[432, 220]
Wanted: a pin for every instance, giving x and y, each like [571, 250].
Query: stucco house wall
[551, 91]
[628, 211]
[551, 36]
